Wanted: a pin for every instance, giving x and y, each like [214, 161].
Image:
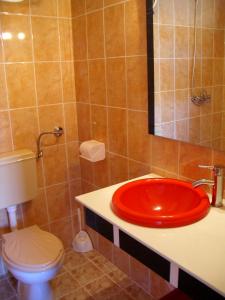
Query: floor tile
[137, 293]
[104, 264]
[121, 296]
[92, 254]
[64, 284]
[74, 259]
[120, 278]
[86, 273]
[79, 294]
[102, 288]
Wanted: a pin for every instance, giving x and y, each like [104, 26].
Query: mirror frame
[150, 66]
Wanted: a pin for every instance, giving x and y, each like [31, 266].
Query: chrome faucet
[216, 183]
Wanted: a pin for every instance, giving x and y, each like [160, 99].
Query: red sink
[160, 202]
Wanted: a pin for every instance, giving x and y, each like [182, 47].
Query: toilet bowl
[34, 257]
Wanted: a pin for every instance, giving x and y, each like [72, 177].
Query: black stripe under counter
[196, 289]
[99, 224]
[146, 256]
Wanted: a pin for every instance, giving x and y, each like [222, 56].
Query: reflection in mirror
[189, 80]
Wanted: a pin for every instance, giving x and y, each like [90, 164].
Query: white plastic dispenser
[18, 177]
[92, 150]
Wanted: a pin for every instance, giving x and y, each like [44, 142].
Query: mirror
[186, 67]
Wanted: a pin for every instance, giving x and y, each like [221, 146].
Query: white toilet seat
[32, 249]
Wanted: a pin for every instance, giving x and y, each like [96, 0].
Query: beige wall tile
[139, 141]
[166, 38]
[74, 163]
[101, 173]
[66, 41]
[24, 128]
[166, 12]
[16, 38]
[58, 201]
[55, 172]
[97, 81]
[93, 4]
[135, 27]
[64, 8]
[78, 7]
[45, 38]
[48, 83]
[166, 75]
[81, 79]
[63, 230]
[20, 82]
[68, 82]
[114, 31]
[5, 132]
[70, 112]
[95, 35]
[99, 123]
[165, 154]
[137, 82]
[79, 38]
[181, 12]
[116, 89]
[84, 122]
[181, 42]
[111, 2]
[117, 130]
[35, 211]
[137, 169]
[44, 8]
[3, 88]
[118, 168]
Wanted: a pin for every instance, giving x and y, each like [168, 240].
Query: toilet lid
[32, 248]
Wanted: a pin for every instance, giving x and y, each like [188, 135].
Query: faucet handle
[217, 169]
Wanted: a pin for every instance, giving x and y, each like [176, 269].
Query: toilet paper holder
[92, 150]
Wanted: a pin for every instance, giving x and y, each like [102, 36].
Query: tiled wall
[176, 115]
[111, 72]
[37, 92]
[111, 75]
[111, 87]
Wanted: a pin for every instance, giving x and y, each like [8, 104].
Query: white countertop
[199, 248]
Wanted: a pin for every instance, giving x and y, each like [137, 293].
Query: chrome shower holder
[57, 132]
[203, 98]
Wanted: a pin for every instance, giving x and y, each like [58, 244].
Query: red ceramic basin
[160, 203]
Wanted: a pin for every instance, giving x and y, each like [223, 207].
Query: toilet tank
[18, 177]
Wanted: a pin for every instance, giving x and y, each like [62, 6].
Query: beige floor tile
[102, 288]
[63, 285]
[92, 254]
[137, 293]
[79, 294]
[120, 278]
[74, 259]
[86, 273]
[121, 296]
[104, 264]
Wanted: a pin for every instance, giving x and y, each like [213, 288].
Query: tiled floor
[88, 276]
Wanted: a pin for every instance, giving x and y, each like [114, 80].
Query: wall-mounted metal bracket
[57, 132]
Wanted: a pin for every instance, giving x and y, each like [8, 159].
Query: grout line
[126, 92]
[6, 89]
[106, 99]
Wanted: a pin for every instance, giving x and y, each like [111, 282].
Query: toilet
[32, 255]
